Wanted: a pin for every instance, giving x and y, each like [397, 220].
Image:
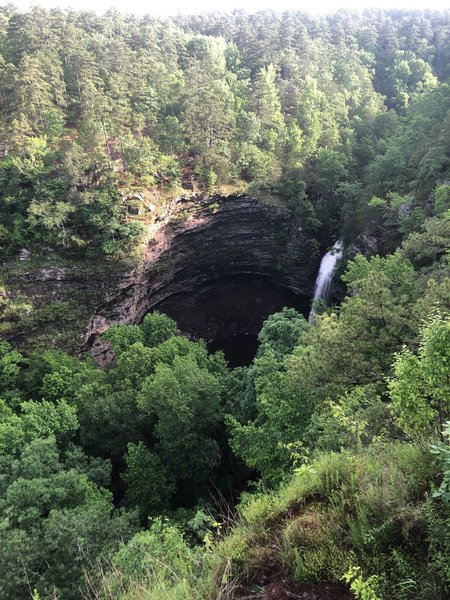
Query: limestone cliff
[204, 241]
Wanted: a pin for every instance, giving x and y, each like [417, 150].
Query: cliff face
[201, 245]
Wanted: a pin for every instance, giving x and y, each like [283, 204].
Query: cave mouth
[239, 349]
[228, 312]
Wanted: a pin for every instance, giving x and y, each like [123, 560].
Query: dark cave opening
[229, 312]
[239, 349]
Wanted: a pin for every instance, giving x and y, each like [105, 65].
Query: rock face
[201, 244]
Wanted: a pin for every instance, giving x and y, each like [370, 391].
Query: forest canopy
[324, 111]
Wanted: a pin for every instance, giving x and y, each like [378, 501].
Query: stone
[201, 241]
[24, 254]
[52, 273]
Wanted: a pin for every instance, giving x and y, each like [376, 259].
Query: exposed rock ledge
[203, 241]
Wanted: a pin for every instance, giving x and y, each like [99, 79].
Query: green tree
[271, 413]
[292, 187]
[420, 387]
[150, 486]
[208, 118]
[157, 328]
[265, 102]
[185, 400]
[56, 520]
[11, 363]
[280, 332]
[122, 336]
[159, 559]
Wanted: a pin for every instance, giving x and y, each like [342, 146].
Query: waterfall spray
[326, 274]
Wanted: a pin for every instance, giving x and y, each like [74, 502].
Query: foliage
[343, 118]
[57, 520]
[307, 109]
[343, 509]
[364, 589]
[149, 487]
[420, 389]
[156, 564]
[442, 451]
[157, 328]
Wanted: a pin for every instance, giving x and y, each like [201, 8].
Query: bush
[155, 564]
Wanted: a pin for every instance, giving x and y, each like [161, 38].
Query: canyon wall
[203, 242]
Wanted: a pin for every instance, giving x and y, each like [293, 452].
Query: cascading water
[326, 274]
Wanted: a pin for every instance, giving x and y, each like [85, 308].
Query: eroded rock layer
[204, 243]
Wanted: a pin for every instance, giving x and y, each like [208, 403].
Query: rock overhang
[201, 243]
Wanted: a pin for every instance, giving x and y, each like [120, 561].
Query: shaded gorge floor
[228, 313]
[239, 349]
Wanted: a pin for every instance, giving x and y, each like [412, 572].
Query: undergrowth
[368, 519]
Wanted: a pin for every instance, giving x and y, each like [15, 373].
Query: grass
[361, 517]
[365, 510]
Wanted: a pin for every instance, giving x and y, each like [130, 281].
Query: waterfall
[326, 274]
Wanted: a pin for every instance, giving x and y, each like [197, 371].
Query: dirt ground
[282, 587]
[287, 590]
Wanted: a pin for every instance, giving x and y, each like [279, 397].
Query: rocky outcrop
[205, 241]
